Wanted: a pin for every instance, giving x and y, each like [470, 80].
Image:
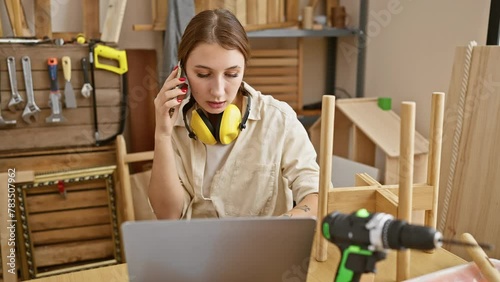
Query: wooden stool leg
[406, 180]
[434, 160]
[325, 173]
[481, 259]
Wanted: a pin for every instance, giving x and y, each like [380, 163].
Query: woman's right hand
[168, 100]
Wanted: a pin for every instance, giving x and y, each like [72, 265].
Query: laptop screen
[230, 249]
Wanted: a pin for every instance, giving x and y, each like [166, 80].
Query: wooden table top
[421, 263]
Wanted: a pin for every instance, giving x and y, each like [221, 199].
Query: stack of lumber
[257, 14]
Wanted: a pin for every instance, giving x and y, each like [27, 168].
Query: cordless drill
[364, 237]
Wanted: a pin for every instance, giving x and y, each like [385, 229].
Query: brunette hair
[218, 26]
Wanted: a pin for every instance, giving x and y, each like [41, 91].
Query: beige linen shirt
[271, 164]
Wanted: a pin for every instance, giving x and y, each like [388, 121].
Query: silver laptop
[232, 249]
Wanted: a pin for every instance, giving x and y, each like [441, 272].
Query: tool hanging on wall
[120, 56]
[69, 94]
[31, 109]
[55, 95]
[4, 122]
[16, 101]
[87, 87]
[26, 40]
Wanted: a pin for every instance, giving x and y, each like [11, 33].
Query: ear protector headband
[225, 129]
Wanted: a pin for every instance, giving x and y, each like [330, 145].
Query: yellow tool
[80, 38]
[110, 53]
[96, 51]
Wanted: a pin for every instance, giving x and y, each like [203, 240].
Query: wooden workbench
[421, 263]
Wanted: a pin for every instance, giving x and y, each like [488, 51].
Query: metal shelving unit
[331, 34]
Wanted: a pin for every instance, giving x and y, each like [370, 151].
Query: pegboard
[78, 130]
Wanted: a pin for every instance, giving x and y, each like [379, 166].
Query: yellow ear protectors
[224, 129]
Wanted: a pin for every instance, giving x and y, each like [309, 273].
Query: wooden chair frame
[398, 200]
[123, 161]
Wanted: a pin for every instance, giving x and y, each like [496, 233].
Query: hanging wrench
[16, 100]
[31, 109]
[4, 122]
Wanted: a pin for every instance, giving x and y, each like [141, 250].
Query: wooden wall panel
[143, 86]
[474, 198]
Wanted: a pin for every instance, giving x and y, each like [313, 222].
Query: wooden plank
[113, 21]
[43, 19]
[142, 89]
[289, 98]
[60, 162]
[199, 5]
[106, 99]
[57, 151]
[267, 71]
[292, 11]
[420, 163]
[382, 127]
[103, 80]
[273, 62]
[364, 179]
[278, 89]
[349, 199]
[66, 219]
[160, 13]
[256, 81]
[363, 148]
[70, 187]
[391, 175]
[277, 72]
[77, 116]
[300, 69]
[419, 167]
[66, 235]
[252, 17]
[91, 22]
[1, 35]
[282, 11]
[255, 27]
[79, 135]
[475, 197]
[342, 137]
[257, 53]
[17, 18]
[273, 11]
[73, 252]
[73, 200]
[238, 8]
[386, 202]
[261, 12]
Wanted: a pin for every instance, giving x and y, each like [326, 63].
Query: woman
[252, 164]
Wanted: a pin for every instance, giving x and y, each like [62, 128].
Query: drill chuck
[378, 231]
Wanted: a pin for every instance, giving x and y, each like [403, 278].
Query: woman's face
[215, 75]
